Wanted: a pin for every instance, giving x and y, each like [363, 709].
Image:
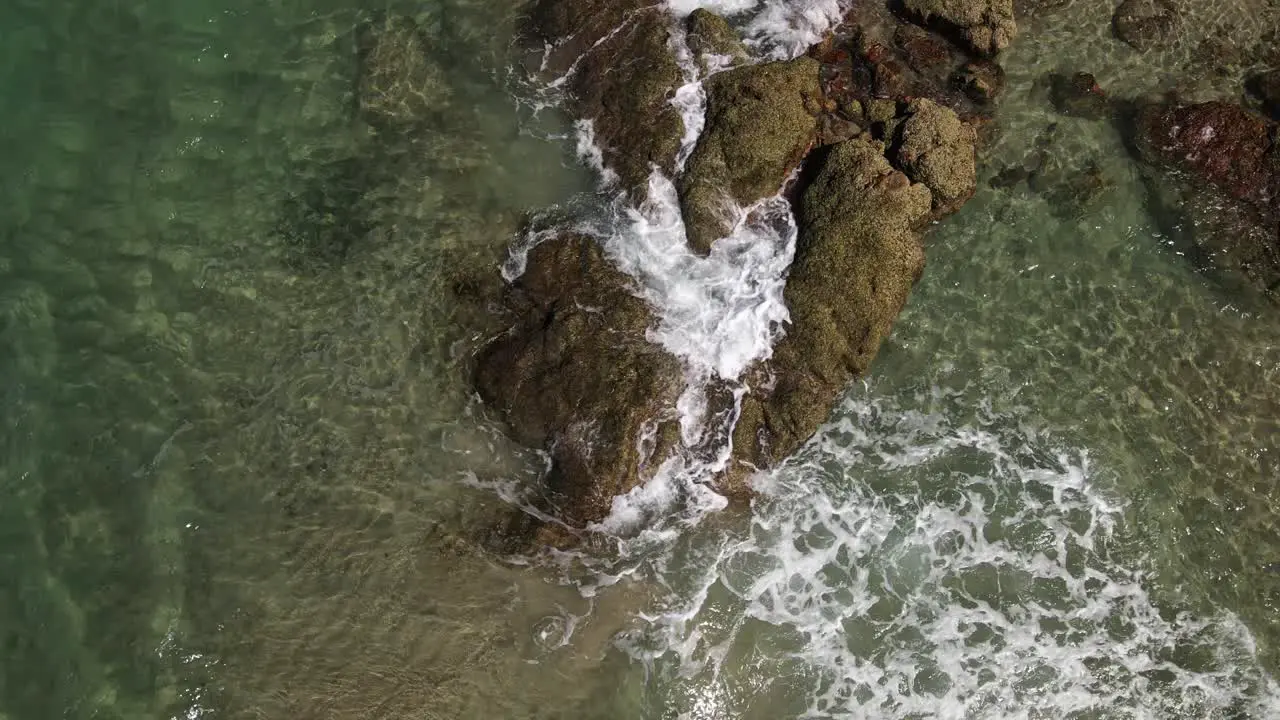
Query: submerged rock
[1077, 95]
[857, 258]
[936, 149]
[709, 34]
[1265, 88]
[398, 83]
[577, 377]
[982, 81]
[1144, 24]
[1219, 142]
[984, 26]
[1225, 148]
[333, 212]
[761, 121]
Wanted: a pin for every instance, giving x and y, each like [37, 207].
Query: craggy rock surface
[623, 79]
[875, 57]
[985, 26]
[857, 258]
[936, 149]
[710, 34]
[398, 84]
[1224, 147]
[760, 123]
[577, 376]
[1219, 142]
[1144, 24]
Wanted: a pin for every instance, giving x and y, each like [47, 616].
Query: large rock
[576, 376]
[937, 149]
[398, 82]
[857, 258]
[985, 26]
[1219, 142]
[1144, 24]
[761, 120]
[623, 77]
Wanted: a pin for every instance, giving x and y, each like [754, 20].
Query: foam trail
[914, 564]
[780, 29]
[720, 313]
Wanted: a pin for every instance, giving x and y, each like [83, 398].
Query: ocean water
[243, 477]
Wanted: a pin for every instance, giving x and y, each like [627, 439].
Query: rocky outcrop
[1229, 213]
[398, 83]
[1144, 24]
[936, 149]
[874, 57]
[876, 125]
[857, 258]
[622, 78]
[984, 26]
[709, 36]
[761, 120]
[575, 375]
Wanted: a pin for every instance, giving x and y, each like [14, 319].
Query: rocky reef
[872, 134]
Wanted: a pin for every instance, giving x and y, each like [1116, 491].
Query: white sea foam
[778, 28]
[719, 313]
[913, 565]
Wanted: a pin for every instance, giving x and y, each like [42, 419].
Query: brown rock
[936, 149]
[1144, 24]
[982, 81]
[760, 123]
[1226, 188]
[1218, 142]
[857, 258]
[1077, 95]
[577, 377]
[623, 78]
[984, 26]
[624, 85]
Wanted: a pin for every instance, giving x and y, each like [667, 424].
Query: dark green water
[187, 355]
[241, 471]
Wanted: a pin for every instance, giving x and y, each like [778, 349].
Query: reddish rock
[1219, 142]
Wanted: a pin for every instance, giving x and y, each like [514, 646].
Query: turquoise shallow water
[242, 475]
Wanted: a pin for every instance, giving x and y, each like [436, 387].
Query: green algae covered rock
[577, 377]
[857, 258]
[398, 83]
[984, 26]
[937, 149]
[760, 123]
[709, 34]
